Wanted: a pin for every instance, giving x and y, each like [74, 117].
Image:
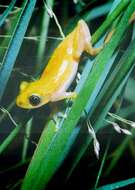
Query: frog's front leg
[65, 95]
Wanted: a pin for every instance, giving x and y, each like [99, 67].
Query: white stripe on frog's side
[67, 83]
[63, 66]
[69, 51]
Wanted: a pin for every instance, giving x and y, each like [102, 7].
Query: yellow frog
[60, 71]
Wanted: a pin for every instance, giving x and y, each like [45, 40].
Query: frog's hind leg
[94, 51]
[82, 39]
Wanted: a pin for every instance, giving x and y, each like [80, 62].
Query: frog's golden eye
[34, 100]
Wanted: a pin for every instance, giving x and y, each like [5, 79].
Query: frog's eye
[34, 100]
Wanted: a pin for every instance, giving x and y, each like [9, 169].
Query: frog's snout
[19, 102]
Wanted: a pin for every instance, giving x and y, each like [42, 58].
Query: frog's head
[32, 95]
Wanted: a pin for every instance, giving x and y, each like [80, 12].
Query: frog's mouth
[19, 103]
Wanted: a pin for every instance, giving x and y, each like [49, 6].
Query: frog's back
[61, 53]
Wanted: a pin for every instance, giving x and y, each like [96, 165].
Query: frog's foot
[132, 18]
[94, 51]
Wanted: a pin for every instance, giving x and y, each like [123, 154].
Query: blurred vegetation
[34, 154]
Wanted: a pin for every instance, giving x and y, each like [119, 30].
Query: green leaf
[26, 139]
[118, 152]
[106, 23]
[104, 104]
[43, 37]
[102, 165]
[36, 166]
[98, 11]
[16, 166]
[15, 43]
[84, 146]
[9, 139]
[117, 185]
[6, 12]
[112, 17]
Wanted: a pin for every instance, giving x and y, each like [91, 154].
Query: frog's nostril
[19, 102]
